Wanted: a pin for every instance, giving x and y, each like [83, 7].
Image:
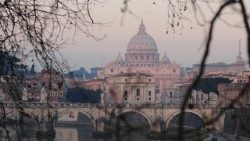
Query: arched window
[137, 92]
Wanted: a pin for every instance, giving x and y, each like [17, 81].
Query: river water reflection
[85, 134]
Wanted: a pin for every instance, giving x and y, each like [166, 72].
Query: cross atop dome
[142, 28]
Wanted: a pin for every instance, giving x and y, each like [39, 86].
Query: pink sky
[185, 49]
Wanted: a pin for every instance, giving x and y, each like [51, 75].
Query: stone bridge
[96, 114]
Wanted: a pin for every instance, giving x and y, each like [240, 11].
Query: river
[85, 134]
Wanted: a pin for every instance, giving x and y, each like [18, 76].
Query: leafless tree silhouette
[176, 16]
[37, 29]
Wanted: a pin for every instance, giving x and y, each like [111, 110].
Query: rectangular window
[202, 97]
[137, 99]
[137, 92]
[125, 93]
[149, 99]
[149, 93]
[157, 91]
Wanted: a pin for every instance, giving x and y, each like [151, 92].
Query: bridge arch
[89, 116]
[138, 113]
[76, 117]
[189, 113]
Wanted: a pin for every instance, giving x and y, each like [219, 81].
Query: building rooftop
[132, 74]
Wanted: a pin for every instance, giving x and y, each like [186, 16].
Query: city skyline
[87, 52]
[110, 70]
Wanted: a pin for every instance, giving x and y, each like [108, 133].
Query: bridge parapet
[239, 111]
[106, 105]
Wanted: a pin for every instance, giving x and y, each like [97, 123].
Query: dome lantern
[142, 28]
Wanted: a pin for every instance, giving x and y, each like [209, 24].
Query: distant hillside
[207, 85]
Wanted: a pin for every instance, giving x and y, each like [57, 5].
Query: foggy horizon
[185, 46]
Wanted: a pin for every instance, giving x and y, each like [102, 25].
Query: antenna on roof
[240, 48]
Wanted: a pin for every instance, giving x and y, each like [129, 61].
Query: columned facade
[130, 88]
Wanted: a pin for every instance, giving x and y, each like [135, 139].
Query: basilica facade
[142, 56]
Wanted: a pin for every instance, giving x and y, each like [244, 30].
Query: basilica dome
[142, 42]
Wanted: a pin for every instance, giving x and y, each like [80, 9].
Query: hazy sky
[185, 49]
